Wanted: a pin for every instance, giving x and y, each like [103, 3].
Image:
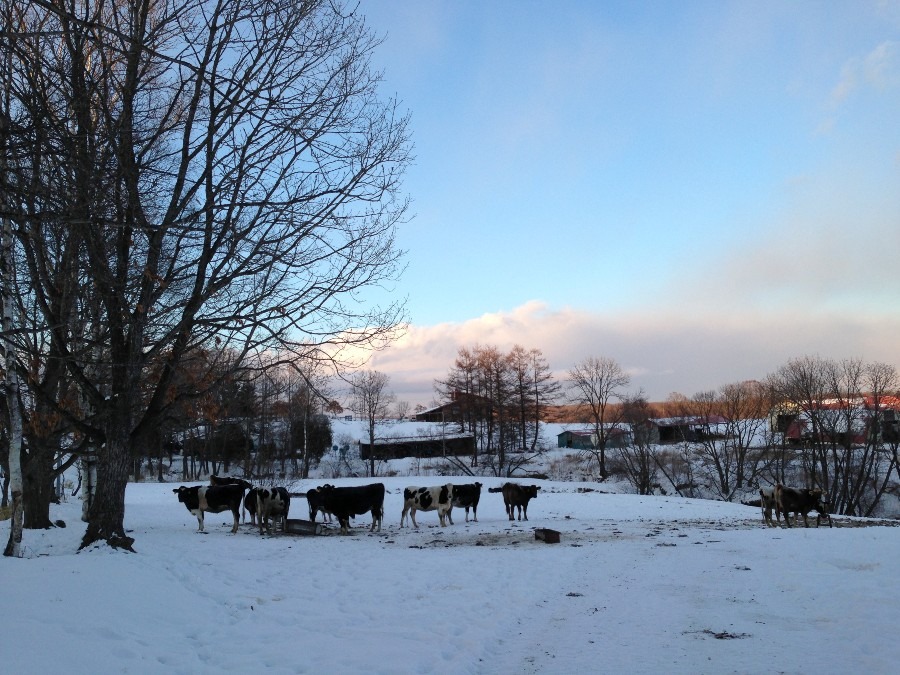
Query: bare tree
[535, 389]
[402, 409]
[498, 398]
[637, 454]
[841, 439]
[8, 351]
[334, 408]
[371, 401]
[594, 384]
[730, 451]
[226, 176]
[310, 396]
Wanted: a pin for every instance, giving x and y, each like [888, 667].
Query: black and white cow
[346, 502]
[316, 501]
[272, 503]
[229, 480]
[464, 497]
[517, 496]
[213, 498]
[438, 498]
[800, 501]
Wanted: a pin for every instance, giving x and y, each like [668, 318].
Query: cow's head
[822, 500]
[446, 494]
[531, 490]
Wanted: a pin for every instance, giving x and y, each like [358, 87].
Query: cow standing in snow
[212, 498]
[438, 498]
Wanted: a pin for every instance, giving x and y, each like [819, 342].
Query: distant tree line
[733, 439]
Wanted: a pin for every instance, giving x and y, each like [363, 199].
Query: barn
[419, 446]
[617, 436]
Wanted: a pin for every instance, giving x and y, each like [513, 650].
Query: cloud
[879, 69]
[682, 348]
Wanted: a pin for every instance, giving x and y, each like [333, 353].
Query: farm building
[459, 409]
[680, 429]
[419, 446]
[585, 439]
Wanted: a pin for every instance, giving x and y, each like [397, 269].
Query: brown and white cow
[517, 496]
[800, 501]
[272, 503]
[438, 498]
[212, 498]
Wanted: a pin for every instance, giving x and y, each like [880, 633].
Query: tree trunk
[106, 517]
[38, 476]
[14, 545]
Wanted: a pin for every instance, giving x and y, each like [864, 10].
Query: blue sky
[699, 190]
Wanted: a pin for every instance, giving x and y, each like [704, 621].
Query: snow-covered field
[636, 585]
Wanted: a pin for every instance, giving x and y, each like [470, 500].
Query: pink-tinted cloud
[685, 349]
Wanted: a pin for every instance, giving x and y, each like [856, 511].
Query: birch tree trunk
[14, 545]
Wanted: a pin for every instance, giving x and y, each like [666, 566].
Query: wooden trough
[546, 535]
[304, 527]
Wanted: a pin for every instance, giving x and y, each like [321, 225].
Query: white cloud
[879, 69]
[684, 348]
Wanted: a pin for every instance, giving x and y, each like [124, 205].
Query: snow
[637, 585]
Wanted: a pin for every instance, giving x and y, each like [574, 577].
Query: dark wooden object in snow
[546, 535]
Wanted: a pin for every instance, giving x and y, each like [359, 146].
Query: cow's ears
[176, 490]
[536, 487]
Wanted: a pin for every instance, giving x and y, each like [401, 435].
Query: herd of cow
[343, 503]
[264, 505]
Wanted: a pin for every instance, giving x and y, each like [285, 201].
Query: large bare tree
[594, 384]
[226, 180]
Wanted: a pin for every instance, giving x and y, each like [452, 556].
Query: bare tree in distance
[594, 384]
[216, 192]
[535, 389]
[845, 444]
[371, 400]
[402, 409]
[334, 408]
[637, 456]
[729, 453]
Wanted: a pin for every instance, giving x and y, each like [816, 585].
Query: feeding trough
[304, 527]
[546, 535]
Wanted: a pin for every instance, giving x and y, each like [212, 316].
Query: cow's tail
[496, 489]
